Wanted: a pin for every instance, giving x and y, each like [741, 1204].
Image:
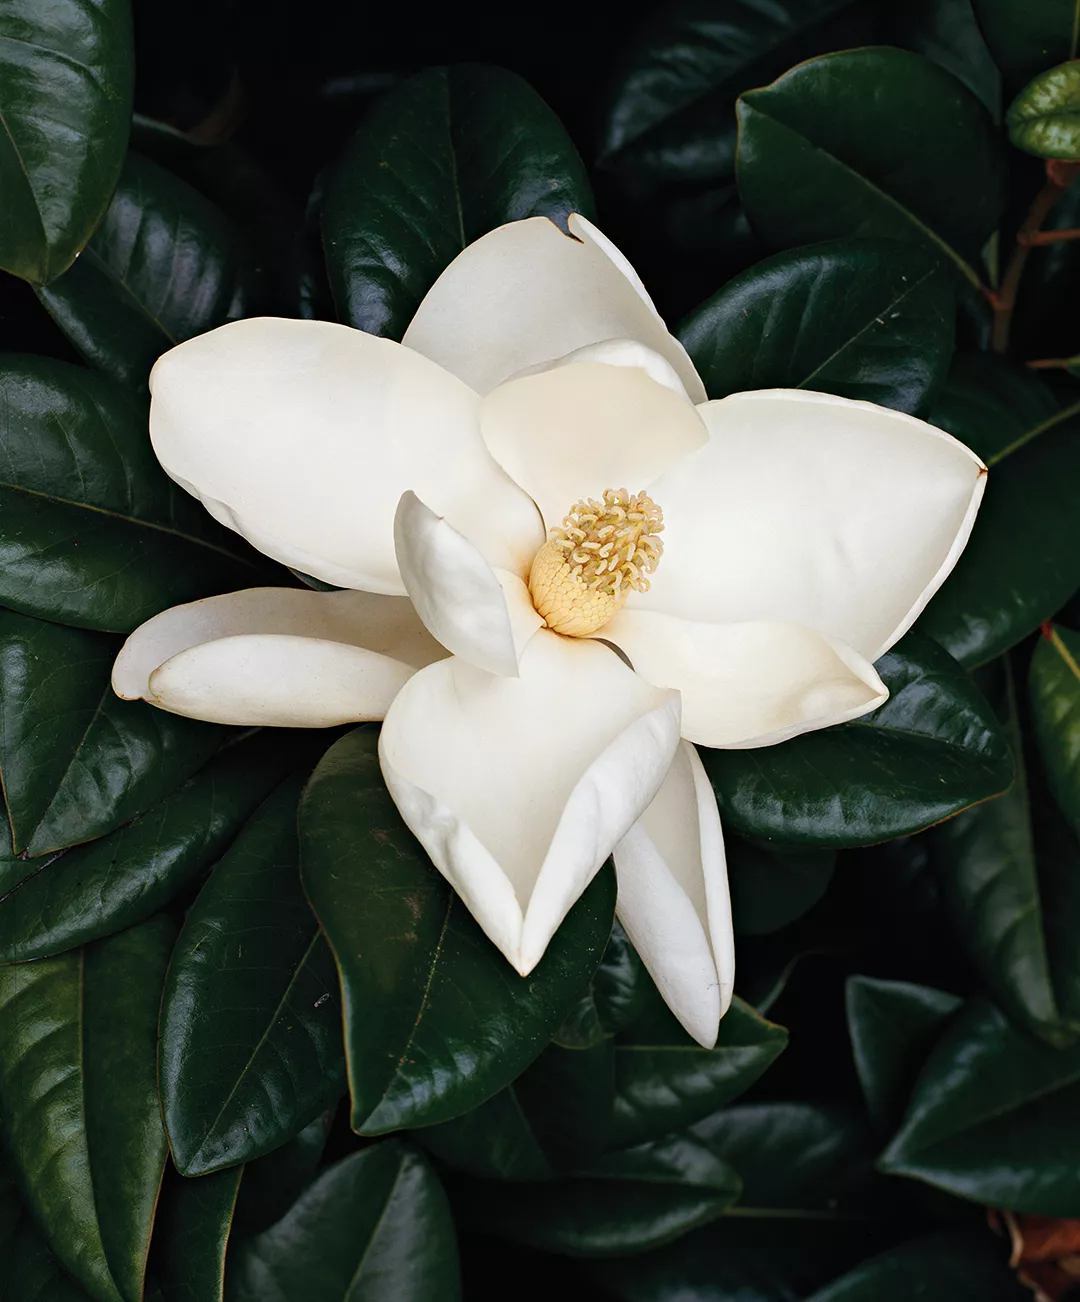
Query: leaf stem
[1004, 300]
[1038, 238]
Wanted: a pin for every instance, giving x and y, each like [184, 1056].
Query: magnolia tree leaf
[873, 141]
[771, 888]
[250, 1020]
[92, 531]
[164, 265]
[893, 1025]
[272, 1183]
[670, 112]
[1044, 119]
[992, 1118]
[377, 1224]
[867, 319]
[120, 879]
[32, 1271]
[1022, 562]
[958, 1267]
[1027, 39]
[947, 32]
[66, 76]
[436, 1020]
[631, 1201]
[78, 1101]
[192, 1234]
[932, 749]
[76, 760]
[444, 158]
[1054, 685]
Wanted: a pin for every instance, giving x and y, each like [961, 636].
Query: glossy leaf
[1026, 39]
[32, 1272]
[670, 114]
[772, 888]
[250, 1020]
[436, 1020]
[873, 141]
[866, 319]
[92, 532]
[272, 1183]
[932, 749]
[375, 1225]
[192, 1234]
[445, 157]
[164, 265]
[958, 1267]
[1023, 559]
[946, 32]
[992, 1118]
[78, 1093]
[893, 1025]
[1055, 706]
[66, 79]
[1044, 119]
[631, 1201]
[94, 889]
[76, 760]
[664, 1081]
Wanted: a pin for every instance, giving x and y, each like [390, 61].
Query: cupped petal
[573, 431]
[747, 685]
[673, 898]
[303, 435]
[276, 656]
[519, 788]
[839, 515]
[483, 616]
[526, 293]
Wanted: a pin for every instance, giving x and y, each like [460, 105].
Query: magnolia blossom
[562, 566]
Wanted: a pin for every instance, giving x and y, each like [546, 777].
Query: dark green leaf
[1023, 560]
[869, 319]
[993, 1118]
[193, 1233]
[664, 1081]
[1044, 119]
[76, 760]
[444, 158]
[78, 1094]
[938, 1268]
[1026, 38]
[1055, 706]
[92, 532]
[436, 1020]
[875, 141]
[772, 888]
[893, 1025]
[94, 889]
[620, 984]
[495, 1141]
[65, 106]
[932, 749]
[375, 1225]
[946, 31]
[632, 1201]
[251, 1020]
[164, 265]
[272, 1183]
[32, 1272]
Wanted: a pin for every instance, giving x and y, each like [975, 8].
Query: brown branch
[1004, 301]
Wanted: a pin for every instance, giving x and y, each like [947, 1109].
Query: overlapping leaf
[1026, 39]
[955, 1267]
[1055, 707]
[192, 1234]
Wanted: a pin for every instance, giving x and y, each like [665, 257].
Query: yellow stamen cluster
[602, 552]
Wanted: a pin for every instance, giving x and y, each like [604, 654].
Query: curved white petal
[483, 616]
[674, 901]
[840, 515]
[276, 656]
[617, 352]
[747, 685]
[302, 436]
[519, 788]
[573, 431]
[526, 293]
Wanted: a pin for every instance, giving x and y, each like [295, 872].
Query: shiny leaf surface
[1044, 119]
[939, 1268]
[1054, 685]
[192, 1234]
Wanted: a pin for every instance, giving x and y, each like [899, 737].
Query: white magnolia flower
[540, 697]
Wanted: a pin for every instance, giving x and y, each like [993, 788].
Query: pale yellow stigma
[602, 552]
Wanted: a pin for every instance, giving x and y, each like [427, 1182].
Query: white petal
[674, 901]
[526, 293]
[519, 788]
[752, 684]
[302, 436]
[836, 514]
[457, 594]
[574, 431]
[276, 656]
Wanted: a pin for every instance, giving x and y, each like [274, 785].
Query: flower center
[601, 553]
